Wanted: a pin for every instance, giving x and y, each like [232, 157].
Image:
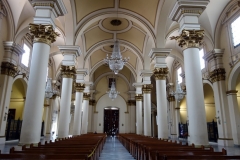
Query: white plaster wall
[105, 101]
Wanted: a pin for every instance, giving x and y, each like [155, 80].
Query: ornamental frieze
[68, 71]
[43, 33]
[147, 88]
[8, 69]
[160, 73]
[80, 87]
[217, 75]
[190, 38]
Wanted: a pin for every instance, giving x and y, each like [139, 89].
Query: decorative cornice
[147, 88]
[190, 38]
[43, 33]
[86, 96]
[139, 97]
[80, 87]
[217, 75]
[8, 69]
[68, 71]
[171, 98]
[131, 102]
[160, 73]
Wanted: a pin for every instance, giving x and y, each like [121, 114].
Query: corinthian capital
[217, 75]
[43, 33]
[68, 71]
[160, 73]
[138, 97]
[147, 88]
[80, 87]
[190, 38]
[8, 69]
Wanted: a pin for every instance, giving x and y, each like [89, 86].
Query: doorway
[111, 121]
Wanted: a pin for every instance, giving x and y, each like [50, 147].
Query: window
[235, 25]
[179, 72]
[110, 80]
[202, 61]
[26, 55]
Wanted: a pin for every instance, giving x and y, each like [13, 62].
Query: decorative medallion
[116, 22]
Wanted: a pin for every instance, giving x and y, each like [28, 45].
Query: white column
[132, 117]
[45, 117]
[65, 103]
[147, 109]
[173, 132]
[189, 28]
[78, 109]
[160, 73]
[217, 77]
[50, 117]
[177, 119]
[234, 116]
[85, 113]
[139, 125]
[44, 35]
[90, 116]
[8, 71]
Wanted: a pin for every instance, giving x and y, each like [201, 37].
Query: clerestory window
[26, 55]
[235, 25]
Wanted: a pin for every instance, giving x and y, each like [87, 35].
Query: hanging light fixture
[178, 94]
[49, 92]
[116, 62]
[113, 93]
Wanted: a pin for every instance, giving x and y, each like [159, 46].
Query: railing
[13, 129]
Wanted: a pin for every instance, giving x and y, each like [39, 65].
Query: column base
[225, 142]
[2, 140]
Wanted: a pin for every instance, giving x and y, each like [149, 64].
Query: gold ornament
[190, 38]
[131, 102]
[138, 97]
[43, 33]
[160, 73]
[80, 87]
[147, 88]
[217, 75]
[171, 98]
[92, 102]
[68, 71]
[8, 69]
[86, 96]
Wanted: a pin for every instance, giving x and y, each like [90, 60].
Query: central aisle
[114, 150]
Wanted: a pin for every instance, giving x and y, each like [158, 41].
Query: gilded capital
[217, 75]
[171, 98]
[139, 97]
[190, 38]
[160, 73]
[43, 33]
[131, 102]
[92, 102]
[68, 71]
[8, 69]
[147, 88]
[86, 96]
[80, 87]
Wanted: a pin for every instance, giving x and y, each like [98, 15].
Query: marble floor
[114, 150]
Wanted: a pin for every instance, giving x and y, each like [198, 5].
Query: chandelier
[113, 93]
[116, 62]
[49, 92]
[178, 94]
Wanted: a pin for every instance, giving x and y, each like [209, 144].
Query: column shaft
[78, 114]
[195, 98]
[65, 105]
[147, 113]
[177, 119]
[85, 116]
[173, 118]
[132, 118]
[162, 109]
[139, 117]
[31, 127]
